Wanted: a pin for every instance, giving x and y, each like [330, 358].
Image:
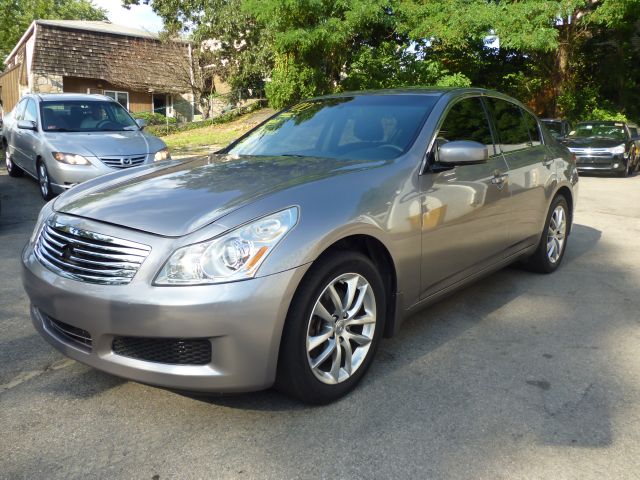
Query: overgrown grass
[212, 137]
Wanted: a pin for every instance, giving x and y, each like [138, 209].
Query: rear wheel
[12, 169]
[550, 252]
[333, 329]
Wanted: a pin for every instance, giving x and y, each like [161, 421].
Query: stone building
[130, 65]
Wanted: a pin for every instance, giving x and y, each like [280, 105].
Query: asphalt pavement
[520, 376]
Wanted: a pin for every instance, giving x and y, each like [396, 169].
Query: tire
[44, 181]
[325, 383]
[12, 169]
[628, 170]
[542, 261]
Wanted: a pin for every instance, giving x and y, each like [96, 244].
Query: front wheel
[333, 328]
[44, 181]
[550, 252]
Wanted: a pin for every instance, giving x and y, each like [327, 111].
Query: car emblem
[125, 161]
[67, 251]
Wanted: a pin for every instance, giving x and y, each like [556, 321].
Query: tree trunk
[562, 75]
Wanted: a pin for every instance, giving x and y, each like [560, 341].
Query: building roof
[99, 26]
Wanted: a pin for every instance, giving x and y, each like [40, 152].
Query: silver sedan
[285, 258]
[65, 139]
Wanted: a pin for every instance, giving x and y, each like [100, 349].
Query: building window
[121, 97]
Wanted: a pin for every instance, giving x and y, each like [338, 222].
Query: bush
[153, 118]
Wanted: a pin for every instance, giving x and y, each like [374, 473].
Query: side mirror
[141, 123]
[27, 125]
[462, 152]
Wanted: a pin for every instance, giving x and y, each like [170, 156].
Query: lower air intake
[174, 351]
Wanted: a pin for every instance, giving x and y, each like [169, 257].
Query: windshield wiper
[59, 130]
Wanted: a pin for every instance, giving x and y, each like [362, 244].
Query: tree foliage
[566, 58]
[17, 15]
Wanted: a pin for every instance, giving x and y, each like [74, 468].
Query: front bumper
[242, 320]
[64, 176]
[601, 164]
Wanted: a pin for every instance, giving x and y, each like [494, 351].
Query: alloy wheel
[556, 234]
[7, 160]
[43, 179]
[341, 328]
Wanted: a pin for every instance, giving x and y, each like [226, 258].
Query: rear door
[530, 169]
[465, 209]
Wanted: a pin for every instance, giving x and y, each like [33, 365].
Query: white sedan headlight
[619, 150]
[235, 255]
[70, 158]
[162, 155]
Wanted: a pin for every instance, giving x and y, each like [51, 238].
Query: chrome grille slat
[124, 162]
[125, 250]
[112, 261]
[106, 272]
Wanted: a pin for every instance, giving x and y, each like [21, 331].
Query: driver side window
[466, 120]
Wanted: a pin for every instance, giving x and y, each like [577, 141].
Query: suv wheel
[44, 181]
[332, 330]
[553, 242]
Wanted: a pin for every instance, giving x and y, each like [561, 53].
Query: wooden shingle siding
[141, 64]
[138, 101]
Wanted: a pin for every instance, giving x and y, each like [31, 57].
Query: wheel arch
[380, 255]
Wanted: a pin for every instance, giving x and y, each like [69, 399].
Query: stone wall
[43, 83]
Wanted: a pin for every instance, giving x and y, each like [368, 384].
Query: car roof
[553, 120]
[57, 97]
[438, 91]
[604, 122]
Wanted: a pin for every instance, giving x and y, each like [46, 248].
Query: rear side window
[31, 113]
[513, 132]
[532, 126]
[466, 120]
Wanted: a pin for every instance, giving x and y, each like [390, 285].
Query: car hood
[104, 144]
[176, 198]
[592, 142]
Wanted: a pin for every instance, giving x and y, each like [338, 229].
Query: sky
[140, 16]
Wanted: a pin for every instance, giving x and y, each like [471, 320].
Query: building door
[160, 103]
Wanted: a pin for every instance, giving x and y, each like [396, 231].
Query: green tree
[17, 15]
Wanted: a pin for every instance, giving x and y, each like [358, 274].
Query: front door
[27, 141]
[465, 210]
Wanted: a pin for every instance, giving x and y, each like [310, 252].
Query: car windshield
[364, 127]
[555, 127]
[602, 130]
[85, 116]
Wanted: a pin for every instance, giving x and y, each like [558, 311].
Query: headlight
[42, 216]
[620, 149]
[235, 255]
[70, 158]
[162, 155]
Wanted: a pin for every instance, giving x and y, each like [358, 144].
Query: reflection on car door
[530, 169]
[26, 141]
[465, 210]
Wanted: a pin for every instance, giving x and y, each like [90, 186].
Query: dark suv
[605, 146]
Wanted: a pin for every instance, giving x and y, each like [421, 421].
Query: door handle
[499, 179]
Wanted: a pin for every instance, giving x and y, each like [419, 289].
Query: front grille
[72, 334]
[175, 351]
[123, 162]
[592, 152]
[89, 256]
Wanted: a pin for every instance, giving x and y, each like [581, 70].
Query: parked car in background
[286, 257]
[605, 146]
[64, 139]
[559, 128]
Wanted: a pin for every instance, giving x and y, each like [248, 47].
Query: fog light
[616, 165]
